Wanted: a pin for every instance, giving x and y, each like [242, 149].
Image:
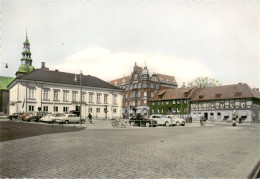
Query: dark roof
[235, 91]
[66, 78]
[173, 93]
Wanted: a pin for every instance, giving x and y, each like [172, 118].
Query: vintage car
[139, 120]
[161, 119]
[176, 120]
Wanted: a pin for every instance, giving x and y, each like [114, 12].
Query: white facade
[219, 110]
[28, 96]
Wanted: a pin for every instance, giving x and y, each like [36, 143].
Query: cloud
[108, 65]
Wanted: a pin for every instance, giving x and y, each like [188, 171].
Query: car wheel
[66, 122]
[178, 123]
[147, 124]
[132, 123]
[167, 124]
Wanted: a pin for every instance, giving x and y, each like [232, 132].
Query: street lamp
[80, 102]
[6, 65]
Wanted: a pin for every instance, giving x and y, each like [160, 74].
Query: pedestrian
[90, 118]
[190, 119]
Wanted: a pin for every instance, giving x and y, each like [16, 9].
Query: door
[206, 116]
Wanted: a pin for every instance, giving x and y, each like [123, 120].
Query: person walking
[90, 118]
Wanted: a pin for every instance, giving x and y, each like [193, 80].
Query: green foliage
[203, 82]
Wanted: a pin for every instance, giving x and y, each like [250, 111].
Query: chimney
[257, 89]
[43, 66]
[56, 70]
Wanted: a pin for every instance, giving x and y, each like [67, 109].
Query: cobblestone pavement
[168, 152]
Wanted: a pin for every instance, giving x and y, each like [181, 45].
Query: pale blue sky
[186, 39]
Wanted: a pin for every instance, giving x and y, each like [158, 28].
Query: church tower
[26, 61]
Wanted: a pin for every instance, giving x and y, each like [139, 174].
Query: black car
[13, 116]
[139, 120]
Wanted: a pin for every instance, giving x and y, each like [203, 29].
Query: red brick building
[140, 87]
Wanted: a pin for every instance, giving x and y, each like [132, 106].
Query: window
[114, 99]
[152, 85]
[139, 85]
[91, 97]
[90, 110]
[144, 85]
[46, 94]
[123, 82]
[98, 98]
[65, 95]
[56, 109]
[31, 108]
[139, 93]
[173, 102]
[139, 103]
[56, 95]
[45, 108]
[136, 77]
[218, 95]
[135, 86]
[65, 109]
[98, 110]
[83, 97]
[167, 102]
[151, 94]
[237, 94]
[145, 102]
[115, 83]
[126, 95]
[74, 96]
[157, 86]
[105, 98]
[126, 104]
[114, 110]
[145, 93]
[31, 93]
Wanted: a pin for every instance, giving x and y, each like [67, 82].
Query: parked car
[139, 120]
[161, 119]
[13, 116]
[35, 116]
[24, 116]
[68, 118]
[47, 118]
[176, 120]
[3, 115]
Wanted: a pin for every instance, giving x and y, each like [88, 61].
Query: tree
[203, 82]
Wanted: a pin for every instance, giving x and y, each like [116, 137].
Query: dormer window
[136, 77]
[161, 80]
[238, 94]
[168, 81]
[201, 96]
[115, 83]
[123, 82]
[218, 95]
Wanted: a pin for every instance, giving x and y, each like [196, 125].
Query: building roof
[66, 78]
[166, 78]
[120, 80]
[173, 93]
[234, 91]
[5, 81]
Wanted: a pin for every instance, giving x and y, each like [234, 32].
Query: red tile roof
[173, 93]
[225, 92]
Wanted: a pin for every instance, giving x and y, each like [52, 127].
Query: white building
[59, 92]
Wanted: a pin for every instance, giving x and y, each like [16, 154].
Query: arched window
[135, 86]
[145, 93]
[139, 85]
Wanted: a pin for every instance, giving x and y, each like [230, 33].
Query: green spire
[26, 65]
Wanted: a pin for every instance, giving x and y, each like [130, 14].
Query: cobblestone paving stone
[161, 152]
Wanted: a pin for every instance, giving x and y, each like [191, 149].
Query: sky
[185, 39]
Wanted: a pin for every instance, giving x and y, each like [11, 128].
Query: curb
[255, 171]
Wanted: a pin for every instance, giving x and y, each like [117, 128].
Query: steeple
[26, 61]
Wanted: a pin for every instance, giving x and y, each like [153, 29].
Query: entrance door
[206, 116]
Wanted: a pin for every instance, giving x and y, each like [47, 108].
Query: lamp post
[6, 65]
[80, 107]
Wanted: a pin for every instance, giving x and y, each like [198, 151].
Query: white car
[48, 118]
[67, 118]
[176, 120]
[161, 119]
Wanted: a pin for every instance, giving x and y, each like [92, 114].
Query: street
[104, 152]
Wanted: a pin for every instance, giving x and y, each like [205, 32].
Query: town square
[122, 89]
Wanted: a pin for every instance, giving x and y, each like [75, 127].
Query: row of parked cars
[156, 119]
[46, 117]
